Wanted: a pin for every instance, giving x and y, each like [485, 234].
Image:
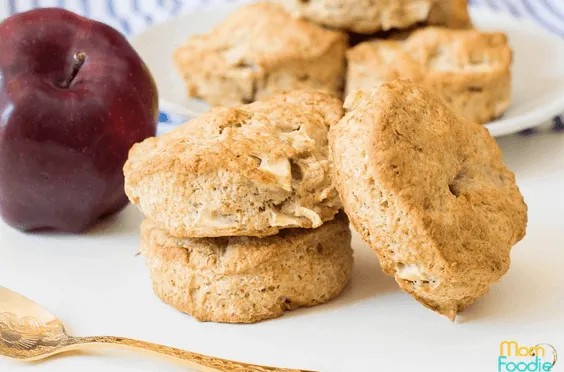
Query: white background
[96, 285]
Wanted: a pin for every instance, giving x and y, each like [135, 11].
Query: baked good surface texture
[250, 170]
[469, 69]
[245, 279]
[429, 192]
[259, 51]
[369, 16]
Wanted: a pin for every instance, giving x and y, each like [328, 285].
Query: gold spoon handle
[200, 362]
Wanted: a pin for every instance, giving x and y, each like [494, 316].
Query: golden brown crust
[367, 17]
[450, 13]
[246, 280]
[429, 192]
[469, 69]
[247, 57]
[250, 170]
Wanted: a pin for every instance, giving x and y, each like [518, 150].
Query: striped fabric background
[132, 16]
[547, 13]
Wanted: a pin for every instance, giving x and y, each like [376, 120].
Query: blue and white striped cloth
[128, 16]
[133, 16]
[547, 13]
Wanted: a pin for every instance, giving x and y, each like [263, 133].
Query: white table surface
[96, 285]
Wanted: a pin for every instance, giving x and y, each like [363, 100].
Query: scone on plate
[250, 170]
[246, 279]
[469, 69]
[258, 51]
[365, 17]
[429, 192]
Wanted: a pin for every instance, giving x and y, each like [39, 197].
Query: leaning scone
[367, 17]
[250, 170]
[469, 69]
[428, 191]
[244, 279]
[259, 51]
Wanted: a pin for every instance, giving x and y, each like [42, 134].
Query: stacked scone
[242, 210]
[243, 218]
[369, 17]
[265, 48]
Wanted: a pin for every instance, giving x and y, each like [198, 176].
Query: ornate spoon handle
[198, 361]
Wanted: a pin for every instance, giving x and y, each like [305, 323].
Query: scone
[367, 17]
[250, 170]
[428, 191]
[449, 13]
[244, 279]
[469, 69]
[258, 51]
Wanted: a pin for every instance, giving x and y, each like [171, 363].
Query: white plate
[538, 70]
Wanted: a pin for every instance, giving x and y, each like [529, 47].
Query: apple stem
[79, 59]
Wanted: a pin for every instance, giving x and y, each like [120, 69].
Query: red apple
[74, 98]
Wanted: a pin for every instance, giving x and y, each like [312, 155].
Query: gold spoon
[29, 332]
